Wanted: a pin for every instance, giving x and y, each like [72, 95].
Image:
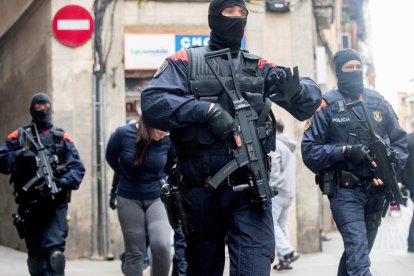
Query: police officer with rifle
[216, 101]
[44, 166]
[355, 146]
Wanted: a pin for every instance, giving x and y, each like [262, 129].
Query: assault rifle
[381, 154]
[250, 153]
[44, 159]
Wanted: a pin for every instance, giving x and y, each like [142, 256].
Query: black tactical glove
[26, 155]
[27, 158]
[112, 201]
[62, 183]
[288, 86]
[405, 194]
[357, 154]
[220, 122]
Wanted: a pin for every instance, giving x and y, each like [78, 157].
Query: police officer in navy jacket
[199, 114]
[335, 143]
[42, 215]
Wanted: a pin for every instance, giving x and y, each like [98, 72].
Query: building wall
[9, 13]
[24, 71]
[66, 73]
[73, 89]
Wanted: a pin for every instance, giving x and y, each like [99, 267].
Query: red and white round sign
[72, 25]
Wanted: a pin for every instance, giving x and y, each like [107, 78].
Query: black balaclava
[349, 83]
[226, 32]
[41, 118]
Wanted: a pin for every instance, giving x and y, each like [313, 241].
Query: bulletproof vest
[204, 85]
[345, 130]
[53, 141]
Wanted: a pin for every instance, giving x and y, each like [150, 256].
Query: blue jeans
[280, 208]
[351, 210]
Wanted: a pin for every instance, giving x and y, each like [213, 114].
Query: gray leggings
[139, 219]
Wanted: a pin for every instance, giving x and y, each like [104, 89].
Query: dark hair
[280, 126]
[142, 142]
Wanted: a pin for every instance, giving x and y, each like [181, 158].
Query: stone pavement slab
[389, 256]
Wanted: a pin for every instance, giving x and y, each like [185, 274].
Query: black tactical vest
[203, 84]
[345, 130]
[53, 141]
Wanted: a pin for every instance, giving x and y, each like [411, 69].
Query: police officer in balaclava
[201, 117]
[337, 146]
[348, 69]
[227, 20]
[41, 110]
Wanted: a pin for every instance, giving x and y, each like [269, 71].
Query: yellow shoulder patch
[308, 123]
[378, 116]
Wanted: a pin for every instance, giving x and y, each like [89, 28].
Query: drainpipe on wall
[100, 231]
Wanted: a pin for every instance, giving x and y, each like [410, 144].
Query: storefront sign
[148, 51]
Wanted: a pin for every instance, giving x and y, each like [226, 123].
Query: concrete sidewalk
[389, 256]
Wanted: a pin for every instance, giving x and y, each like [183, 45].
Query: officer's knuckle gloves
[288, 86]
[357, 154]
[220, 122]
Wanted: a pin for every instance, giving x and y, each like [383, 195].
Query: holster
[177, 210]
[348, 180]
[326, 179]
[19, 224]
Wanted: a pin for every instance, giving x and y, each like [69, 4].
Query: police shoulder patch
[308, 123]
[162, 68]
[377, 116]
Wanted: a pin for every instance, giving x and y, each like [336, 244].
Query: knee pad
[56, 262]
[36, 265]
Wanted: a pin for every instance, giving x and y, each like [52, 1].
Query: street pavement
[389, 256]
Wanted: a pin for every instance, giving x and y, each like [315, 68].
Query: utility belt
[328, 180]
[28, 198]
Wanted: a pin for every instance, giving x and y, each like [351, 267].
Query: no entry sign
[72, 25]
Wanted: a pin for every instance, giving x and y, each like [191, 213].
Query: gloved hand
[405, 194]
[288, 86]
[112, 201]
[357, 154]
[26, 159]
[220, 122]
[25, 155]
[63, 182]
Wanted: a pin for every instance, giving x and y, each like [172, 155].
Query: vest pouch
[251, 84]
[269, 143]
[348, 180]
[206, 88]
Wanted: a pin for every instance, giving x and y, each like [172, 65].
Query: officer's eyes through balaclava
[227, 30]
[235, 11]
[350, 81]
[40, 108]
